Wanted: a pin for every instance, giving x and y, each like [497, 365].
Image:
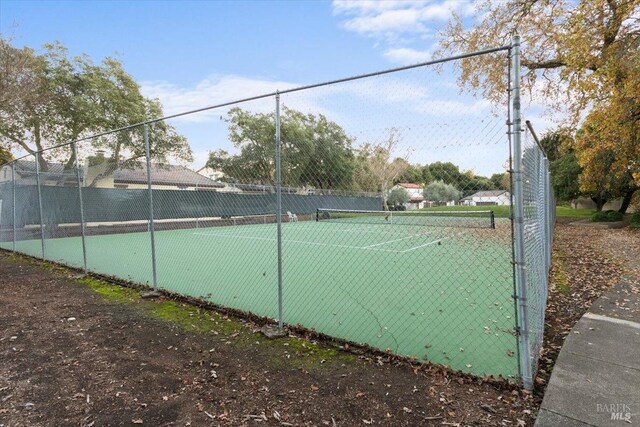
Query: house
[25, 174]
[134, 176]
[212, 174]
[101, 174]
[488, 198]
[416, 199]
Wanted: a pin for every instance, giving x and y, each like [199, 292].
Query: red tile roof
[408, 185]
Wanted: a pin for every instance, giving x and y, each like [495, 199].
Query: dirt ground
[82, 352]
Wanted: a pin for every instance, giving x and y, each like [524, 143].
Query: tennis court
[438, 291]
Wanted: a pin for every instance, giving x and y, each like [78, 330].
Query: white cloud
[401, 20]
[373, 6]
[389, 19]
[407, 55]
[419, 102]
[211, 91]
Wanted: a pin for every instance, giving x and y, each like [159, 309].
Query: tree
[382, 164]
[398, 196]
[572, 49]
[426, 174]
[5, 156]
[610, 158]
[587, 51]
[412, 174]
[501, 181]
[315, 150]
[565, 177]
[53, 99]
[471, 182]
[363, 178]
[446, 172]
[439, 191]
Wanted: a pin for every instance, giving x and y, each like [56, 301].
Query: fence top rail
[276, 93]
[535, 138]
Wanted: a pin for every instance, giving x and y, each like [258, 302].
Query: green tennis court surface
[435, 293]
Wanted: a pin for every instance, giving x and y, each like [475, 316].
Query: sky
[192, 54]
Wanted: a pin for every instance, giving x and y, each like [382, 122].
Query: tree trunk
[599, 201]
[42, 163]
[626, 201]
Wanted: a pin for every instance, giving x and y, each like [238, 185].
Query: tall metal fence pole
[13, 205]
[525, 349]
[279, 208]
[40, 202]
[82, 226]
[151, 224]
[545, 210]
[548, 210]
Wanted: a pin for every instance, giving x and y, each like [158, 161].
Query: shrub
[635, 219]
[608, 216]
[599, 216]
[614, 216]
[397, 208]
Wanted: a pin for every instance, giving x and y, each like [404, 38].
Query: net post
[13, 179]
[150, 192]
[37, 156]
[279, 208]
[317, 215]
[81, 204]
[493, 219]
[525, 349]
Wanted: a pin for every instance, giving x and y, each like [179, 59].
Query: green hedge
[635, 219]
[608, 216]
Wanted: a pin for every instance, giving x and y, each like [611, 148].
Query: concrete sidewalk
[596, 379]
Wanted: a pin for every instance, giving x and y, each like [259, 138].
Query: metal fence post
[82, 226]
[547, 212]
[526, 365]
[13, 179]
[40, 202]
[279, 208]
[151, 224]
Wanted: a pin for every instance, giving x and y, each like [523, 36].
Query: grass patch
[109, 291]
[499, 211]
[193, 318]
[504, 211]
[566, 211]
[307, 354]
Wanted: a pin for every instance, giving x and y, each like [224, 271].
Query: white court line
[388, 241]
[430, 243]
[295, 241]
[304, 242]
[425, 245]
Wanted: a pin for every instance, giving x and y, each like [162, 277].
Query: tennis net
[468, 219]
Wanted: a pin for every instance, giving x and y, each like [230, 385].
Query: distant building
[25, 174]
[415, 191]
[212, 174]
[163, 177]
[488, 198]
[103, 175]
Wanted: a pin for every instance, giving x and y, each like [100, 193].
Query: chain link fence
[377, 209]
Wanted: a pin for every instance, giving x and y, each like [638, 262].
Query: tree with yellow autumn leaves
[583, 60]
